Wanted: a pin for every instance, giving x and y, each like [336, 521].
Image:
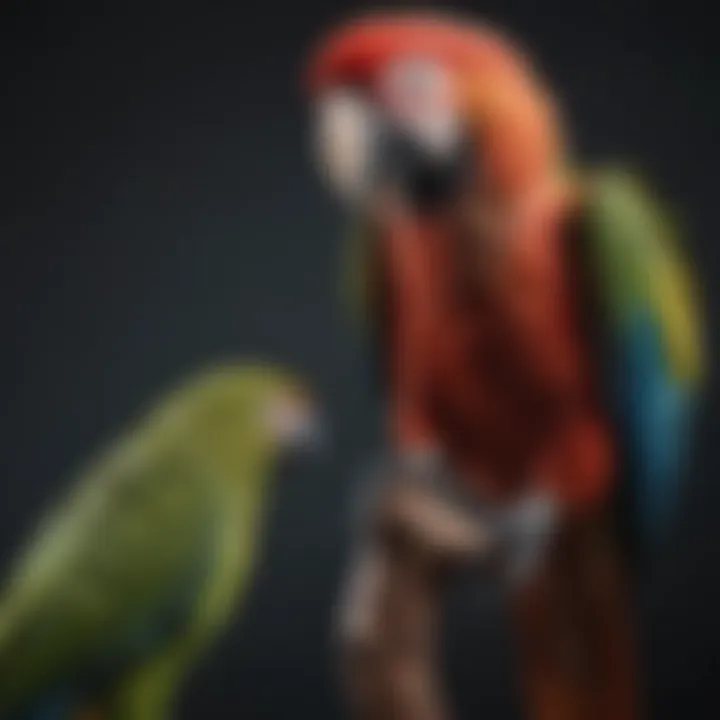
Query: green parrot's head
[247, 414]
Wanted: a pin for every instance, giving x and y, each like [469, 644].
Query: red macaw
[537, 327]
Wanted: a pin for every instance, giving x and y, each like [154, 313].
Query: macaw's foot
[391, 607]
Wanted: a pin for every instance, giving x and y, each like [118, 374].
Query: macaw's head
[422, 107]
[244, 415]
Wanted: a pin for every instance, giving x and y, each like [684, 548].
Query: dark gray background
[157, 210]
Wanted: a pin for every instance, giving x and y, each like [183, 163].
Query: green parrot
[129, 580]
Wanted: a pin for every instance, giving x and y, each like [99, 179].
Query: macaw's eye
[345, 129]
[417, 95]
[414, 81]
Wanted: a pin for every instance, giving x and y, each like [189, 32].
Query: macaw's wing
[110, 577]
[651, 329]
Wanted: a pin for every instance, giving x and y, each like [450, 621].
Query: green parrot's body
[132, 578]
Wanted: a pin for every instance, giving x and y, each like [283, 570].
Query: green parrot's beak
[311, 436]
[298, 425]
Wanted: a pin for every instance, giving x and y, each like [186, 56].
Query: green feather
[642, 267]
[361, 276]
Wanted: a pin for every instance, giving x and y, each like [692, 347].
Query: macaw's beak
[425, 179]
[366, 154]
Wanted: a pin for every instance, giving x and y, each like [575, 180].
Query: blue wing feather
[655, 411]
[651, 328]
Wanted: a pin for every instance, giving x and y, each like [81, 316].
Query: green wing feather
[651, 350]
[110, 574]
[361, 272]
[643, 267]
[367, 292]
